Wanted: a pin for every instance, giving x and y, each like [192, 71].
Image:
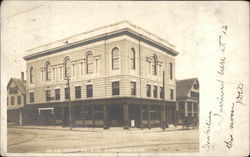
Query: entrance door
[171, 115]
[115, 115]
[66, 116]
[46, 117]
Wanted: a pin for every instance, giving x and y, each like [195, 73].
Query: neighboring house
[187, 98]
[16, 99]
[115, 78]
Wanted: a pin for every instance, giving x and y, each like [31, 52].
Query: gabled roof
[99, 34]
[184, 86]
[19, 83]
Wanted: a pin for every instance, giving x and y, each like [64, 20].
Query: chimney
[22, 76]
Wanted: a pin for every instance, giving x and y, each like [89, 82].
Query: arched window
[154, 65]
[48, 71]
[115, 58]
[171, 70]
[31, 75]
[89, 63]
[132, 58]
[67, 67]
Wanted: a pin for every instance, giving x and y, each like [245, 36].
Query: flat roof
[102, 33]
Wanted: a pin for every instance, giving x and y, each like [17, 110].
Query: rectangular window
[133, 88]
[115, 63]
[66, 93]
[161, 92]
[57, 94]
[19, 100]
[194, 94]
[116, 88]
[78, 92]
[196, 86]
[171, 70]
[32, 98]
[171, 94]
[13, 90]
[47, 95]
[148, 90]
[155, 91]
[89, 89]
[12, 100]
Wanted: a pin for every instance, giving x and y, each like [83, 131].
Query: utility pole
[164, 110]
[70, 113]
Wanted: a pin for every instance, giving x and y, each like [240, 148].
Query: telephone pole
[70, 112]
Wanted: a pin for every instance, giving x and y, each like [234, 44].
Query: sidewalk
[90, 129]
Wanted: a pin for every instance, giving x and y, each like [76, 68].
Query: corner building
[116, 79]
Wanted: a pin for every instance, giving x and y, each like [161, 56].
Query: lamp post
[70, 108]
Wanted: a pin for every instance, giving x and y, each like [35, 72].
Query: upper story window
[116, 88]
[133, 88]
[90, 63]
[194, 94]
[57, 94]
[12, 100]
[13, 90]
[32, 75]
[155, 91]
[32, 97]
[154, 65]
[78, 92]
[67, 69]
[89, 89]
[196, 86]
[161, 92]
[171, 94]
[19, 99]
[48, 71]
[115, 58]
[66, 93]
[148, 90]
[171, 70]
[132, 58]
[47, 95]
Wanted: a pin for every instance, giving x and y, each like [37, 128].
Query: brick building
[187, 99]
[16, 99]
[116, 76]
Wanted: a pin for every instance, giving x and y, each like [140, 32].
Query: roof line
[188, 79]
[125, 31]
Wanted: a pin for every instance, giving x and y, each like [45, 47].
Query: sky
[26, 25]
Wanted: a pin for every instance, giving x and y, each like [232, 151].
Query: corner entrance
[115, 114]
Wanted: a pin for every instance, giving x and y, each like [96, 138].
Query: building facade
[16, 100]
[187, 99]
[116, 77]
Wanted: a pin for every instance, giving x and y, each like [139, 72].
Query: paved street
[81, 140]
